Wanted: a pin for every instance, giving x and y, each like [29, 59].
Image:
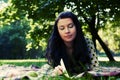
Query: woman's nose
[67, 30]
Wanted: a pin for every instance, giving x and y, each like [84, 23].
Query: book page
[64, 68]
[66, 73]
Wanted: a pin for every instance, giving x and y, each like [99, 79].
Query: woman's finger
[58, 70]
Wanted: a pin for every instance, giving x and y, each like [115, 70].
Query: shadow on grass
[110, 64]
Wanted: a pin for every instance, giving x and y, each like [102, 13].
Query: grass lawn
[24, 62]
[40, 62]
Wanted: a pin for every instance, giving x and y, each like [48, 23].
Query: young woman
[68, 42]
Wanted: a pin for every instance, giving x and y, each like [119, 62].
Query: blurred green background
[26, 25]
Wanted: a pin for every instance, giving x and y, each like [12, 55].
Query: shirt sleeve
[92, 53]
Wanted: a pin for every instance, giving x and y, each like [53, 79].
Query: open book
[65, 71]
[64, 68]
[97, 71]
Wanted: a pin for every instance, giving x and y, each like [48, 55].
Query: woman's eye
[61, 28]
[70, 25]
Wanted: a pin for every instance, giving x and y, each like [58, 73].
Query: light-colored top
[92, 52]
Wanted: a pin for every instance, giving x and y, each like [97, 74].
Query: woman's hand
[58, 70]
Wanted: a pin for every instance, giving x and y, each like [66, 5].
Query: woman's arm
[92, 52]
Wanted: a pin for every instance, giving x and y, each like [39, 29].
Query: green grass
[40, 62]
[24, 62]
[110, 64]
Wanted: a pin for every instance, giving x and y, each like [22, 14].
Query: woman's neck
[69, 48]
[68, 45]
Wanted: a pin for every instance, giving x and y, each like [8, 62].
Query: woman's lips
[68, 36]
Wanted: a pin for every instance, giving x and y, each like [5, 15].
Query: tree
[12, 41]
[93, 13]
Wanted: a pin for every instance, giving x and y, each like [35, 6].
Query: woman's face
[66, 29]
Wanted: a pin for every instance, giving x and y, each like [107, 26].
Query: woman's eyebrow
[67, 24]
[70, 23]
[61, 26]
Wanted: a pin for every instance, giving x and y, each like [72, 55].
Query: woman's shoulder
[90, 45]
[88, 40]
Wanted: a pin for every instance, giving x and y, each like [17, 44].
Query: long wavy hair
[56, 48]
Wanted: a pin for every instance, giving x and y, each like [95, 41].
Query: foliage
[111, 36]
[12, 40]
[41, 15]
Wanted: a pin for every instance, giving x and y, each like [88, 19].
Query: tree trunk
[105, 48]
[96, 36]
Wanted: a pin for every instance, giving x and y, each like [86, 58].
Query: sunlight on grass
[24, 62]
[40, 62]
